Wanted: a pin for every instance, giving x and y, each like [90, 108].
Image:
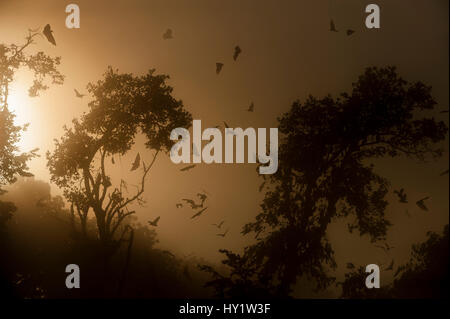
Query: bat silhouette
[187, 168]
[199, 213]
[137, 162]
[193, 204]
[155, 221]
[48, 32]
[219, 225]
[421, 203]
[237, 51]
[202, 196]
[223, 234]
[350, 32]
[332, 26]
[168, 34]
[251, 107]
[401, 195]
[78, 94]
[391, 266]
[219, 67]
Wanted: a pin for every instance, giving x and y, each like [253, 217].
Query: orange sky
[288, 53]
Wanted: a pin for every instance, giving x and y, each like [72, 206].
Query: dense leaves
[425, 275]
[325, 173]
[123, 106]
[44, 68]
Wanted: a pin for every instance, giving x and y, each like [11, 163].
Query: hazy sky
[288, 53]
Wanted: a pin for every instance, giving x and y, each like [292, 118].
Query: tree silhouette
[13, 163]
[123, 106]
[325, 174]
[12, 58]
[425, 275]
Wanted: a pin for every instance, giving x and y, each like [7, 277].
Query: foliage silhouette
[123, 106]
[12, 58]
[325, 174]
[425, 275]
[40, 242]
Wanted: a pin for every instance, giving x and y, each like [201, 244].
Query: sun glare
[19, 104]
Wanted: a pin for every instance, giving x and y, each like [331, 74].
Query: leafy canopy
[123, 106]
[326, 173]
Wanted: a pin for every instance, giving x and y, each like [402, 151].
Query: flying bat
[391, 266]
[224, 234]
[168, 34]
[251, 107]
[199, 213]
[332, 26]
[137, 162]
[219, 225]
[193, 204]
[401, 195]
[350, 32]
[202, 196]
[219, 67]
[237, 51]
[421, 203]
[48, 32]
[155, 221]
[187, 168]
[78, 94]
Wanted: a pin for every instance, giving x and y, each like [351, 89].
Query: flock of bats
[191, 202]
[403, 199]
[48, 33]
[198, 207]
